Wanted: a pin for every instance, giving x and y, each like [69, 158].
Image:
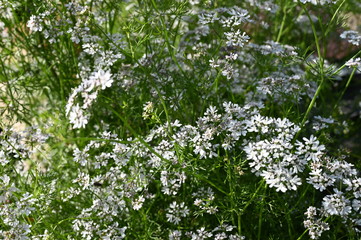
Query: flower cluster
[178, 120]
[354, 63]
[13, 210]
[342, 180]
[319, 2]
[352, 37]
[315, 226]
[94, 72]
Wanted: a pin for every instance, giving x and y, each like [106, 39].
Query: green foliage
[150, 119]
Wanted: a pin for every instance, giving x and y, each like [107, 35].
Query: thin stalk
[71, 140]
[138, 137]
[216, 81]
[321, 60]
[141, 140]
[254, 195]
[239, 224]
[345, 88]
[259, 225]
[333, 17]
[231, 187]
[321, 66]
[312, 103]
[282, 24]
[344, 65]
[171, 48]
[199, 176]
[290, 226]
[300, 237]
[130, 45]
[164, 108]
[299, 200]
[260, 215]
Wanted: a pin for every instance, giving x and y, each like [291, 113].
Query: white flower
[102, 78]
[3, 158]
[317, 2]
[175, 235]
[352, 37]
[77, 117]
[201, 234]
[91, 48]
[315, 225]
[354, 62]
[356, 204]
[171, 182]
[148, 108]
[176, 211]
[281, 178]
[35, 24]
[336, 204]
[194, 2]
[5, 179]
[236, 38]
[208, 17]
[320, 180]
[138, 203]
[213, 63]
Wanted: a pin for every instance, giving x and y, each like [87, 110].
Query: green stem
[321, 60]
[321, 66]
[290, 226]
[312, 103]
[282, 24]
[216, 81]
[171, 48]
[299, 200]
[344, 90]
[231, 188]
[254, 194]
[164, 108]
[300, 237]
[333, 17]
[261, 214]
[239, 224]
[199, 176]
[141, 140]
